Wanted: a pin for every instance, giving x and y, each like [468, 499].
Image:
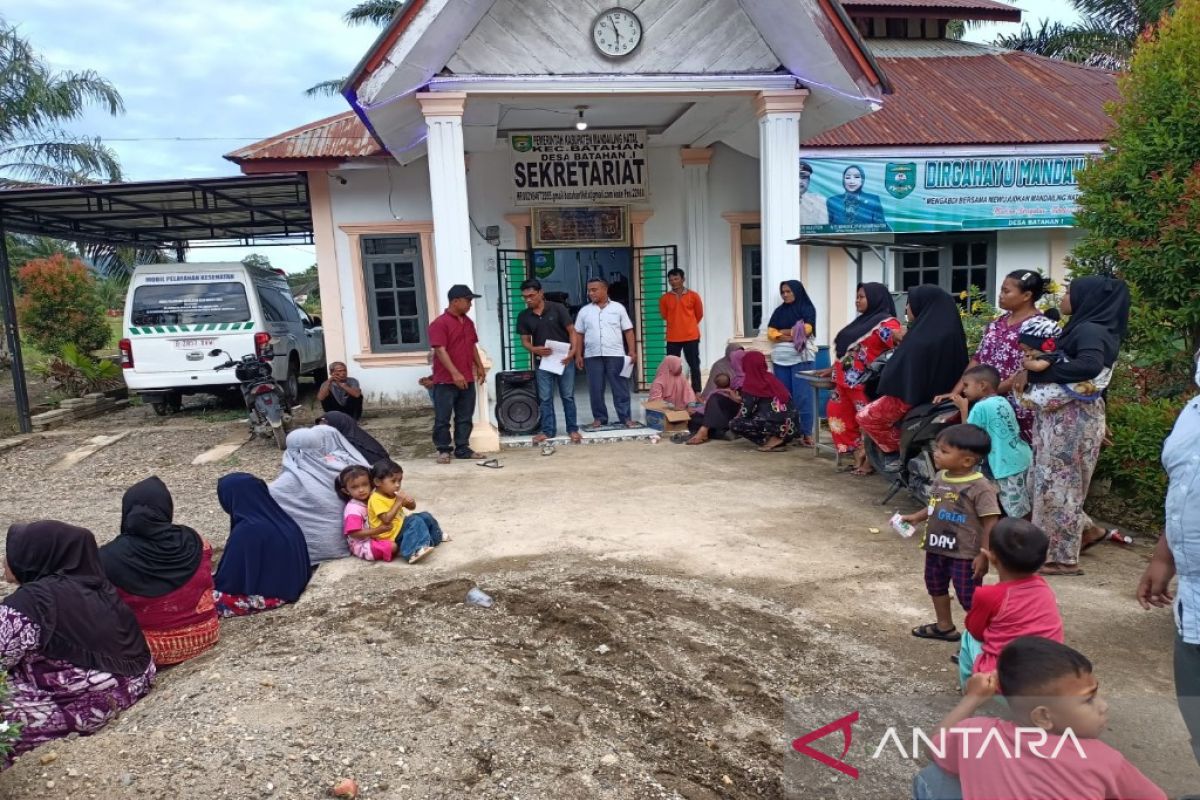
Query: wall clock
[616, 32]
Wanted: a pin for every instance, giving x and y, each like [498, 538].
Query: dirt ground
[667, 620]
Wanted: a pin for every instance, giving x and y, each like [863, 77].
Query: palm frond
[77, 160]
[325, 88]
[373, 12]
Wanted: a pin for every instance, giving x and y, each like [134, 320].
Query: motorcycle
[911, 467]
[264, 398]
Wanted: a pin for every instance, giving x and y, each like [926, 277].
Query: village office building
[698, 116]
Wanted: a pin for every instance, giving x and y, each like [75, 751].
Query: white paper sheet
[553, 362]
[627, 370]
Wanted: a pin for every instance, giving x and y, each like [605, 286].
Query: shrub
[58, 305]
[77, 373]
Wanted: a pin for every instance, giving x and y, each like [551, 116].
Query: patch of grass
[115, 328]
[222, 415]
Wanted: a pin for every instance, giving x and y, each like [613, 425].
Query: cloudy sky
[203, 77]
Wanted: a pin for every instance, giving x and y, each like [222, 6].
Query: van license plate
[191, 344]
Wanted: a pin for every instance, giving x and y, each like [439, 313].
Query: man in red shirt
[456, 368]
[682, 309]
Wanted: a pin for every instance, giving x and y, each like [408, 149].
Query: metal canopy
[249, 210]
[854, 248]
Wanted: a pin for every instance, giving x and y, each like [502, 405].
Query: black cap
[458, 290]
[805, 168]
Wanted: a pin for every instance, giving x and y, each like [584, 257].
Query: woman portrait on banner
[854, 206]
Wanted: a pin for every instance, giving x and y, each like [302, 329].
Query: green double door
[650, 267]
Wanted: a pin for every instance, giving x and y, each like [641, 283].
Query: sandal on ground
[859, 472]
[576, 437]
[633, 423]
[597, 425]
[680, 438]
[779, 448]
[932, 631]
[547, 449]
[1065, 570]
[472, 456]
[443, 458]
[417, 556]
[807, 441]
[1088, 544]
[491, 463]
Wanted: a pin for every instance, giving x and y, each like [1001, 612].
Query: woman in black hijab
[365, 443]
[163, 572]
[928, 361]
[74, 652]
[874, 331]
[1067, 439]
[794, 349]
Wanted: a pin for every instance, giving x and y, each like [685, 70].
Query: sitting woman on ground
[163, 572]
[794, 349]
[366, 444]
[265, 563]
[766, 416]
[874, 331]
[928, 361]
[1067, 437]
[720, 399]
[74, 653]
[304, 489]
[999, 347]
[670, 386]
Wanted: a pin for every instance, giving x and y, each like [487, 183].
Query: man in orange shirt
[682, 309]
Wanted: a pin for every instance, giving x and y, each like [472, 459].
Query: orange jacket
[682, 315]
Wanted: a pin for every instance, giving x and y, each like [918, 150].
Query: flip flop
[443, 458]
[680, 438]
[491, 463]
[932, 631]
[576, 438]
[547, 449]
[1098, 540]
[779, 448]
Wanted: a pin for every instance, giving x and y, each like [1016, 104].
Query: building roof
[248, 209]
[322, 144]
[991, 98]
[948, 9]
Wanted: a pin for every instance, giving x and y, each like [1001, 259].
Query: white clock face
[617, 32]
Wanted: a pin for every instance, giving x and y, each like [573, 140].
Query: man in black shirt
[540, 322]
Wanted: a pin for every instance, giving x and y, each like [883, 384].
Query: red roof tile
[991, 10]
[342, 136]
[994, 98]
[991, 5]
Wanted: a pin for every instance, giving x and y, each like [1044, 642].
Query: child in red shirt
[1021, 604]
[1050, 749]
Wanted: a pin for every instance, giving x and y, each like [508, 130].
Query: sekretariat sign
[950, 193]
[593, 167]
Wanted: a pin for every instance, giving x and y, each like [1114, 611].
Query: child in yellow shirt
[415, 534]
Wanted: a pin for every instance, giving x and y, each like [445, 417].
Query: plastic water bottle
[900, 526]
[478, 597]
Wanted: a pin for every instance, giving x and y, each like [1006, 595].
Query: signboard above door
[592, 167]
[948, 193]
[592, 226]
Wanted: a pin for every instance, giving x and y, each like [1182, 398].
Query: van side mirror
[215, 352]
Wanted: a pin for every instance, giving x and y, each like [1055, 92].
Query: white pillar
[451, 222]
[779, 182]
[695, 171]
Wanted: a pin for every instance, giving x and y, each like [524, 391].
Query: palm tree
[368, 12]
[1104, 37]
[35, 102]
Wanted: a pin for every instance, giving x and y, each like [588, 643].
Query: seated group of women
[86, 629]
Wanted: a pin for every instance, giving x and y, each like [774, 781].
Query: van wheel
[168, 405]
[291, 386]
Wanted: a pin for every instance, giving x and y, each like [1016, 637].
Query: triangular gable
[554, 37]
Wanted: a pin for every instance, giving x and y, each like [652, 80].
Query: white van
[176, 313]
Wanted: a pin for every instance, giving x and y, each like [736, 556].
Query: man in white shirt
[603, 339]
[812, 206]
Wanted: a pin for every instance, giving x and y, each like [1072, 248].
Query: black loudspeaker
[517, 402]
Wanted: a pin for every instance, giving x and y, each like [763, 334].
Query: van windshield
[189, 304]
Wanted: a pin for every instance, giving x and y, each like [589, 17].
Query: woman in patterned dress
[999, 349]
[74, 653]
[873, 331]
[767, 416]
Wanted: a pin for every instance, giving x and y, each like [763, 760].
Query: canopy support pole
[13, 337]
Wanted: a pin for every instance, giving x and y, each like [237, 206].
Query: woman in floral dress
[74, 653]
[767, 416]
[999, 349]
[873, 331]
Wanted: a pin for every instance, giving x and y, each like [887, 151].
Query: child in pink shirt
[354, 486]
[1049, 751]
[1021, 604]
